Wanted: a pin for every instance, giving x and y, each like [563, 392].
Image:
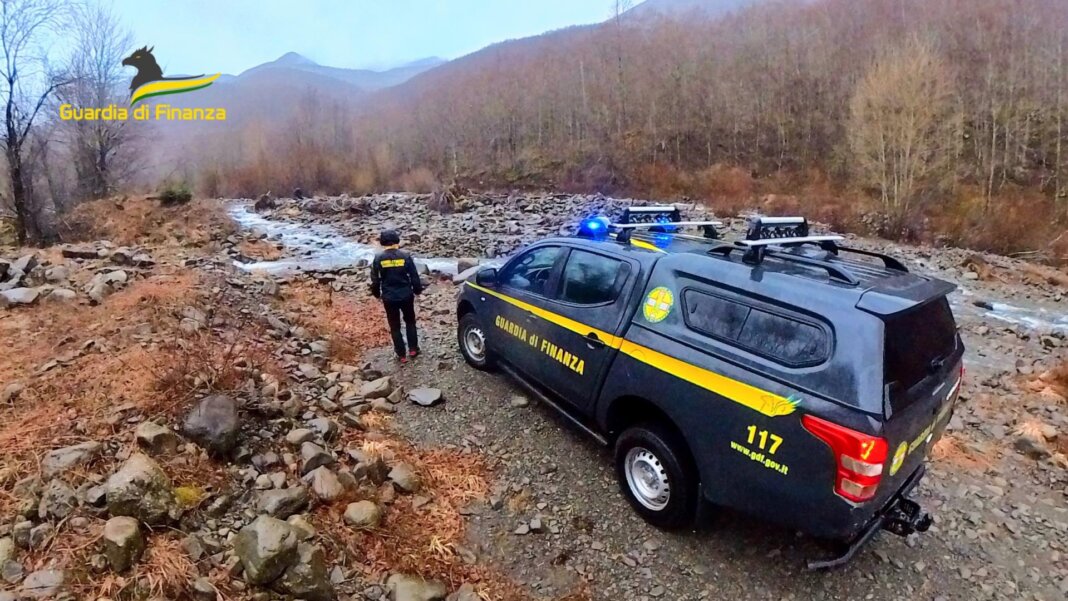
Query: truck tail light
[860, 458]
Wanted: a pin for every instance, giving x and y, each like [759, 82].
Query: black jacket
[394, 277]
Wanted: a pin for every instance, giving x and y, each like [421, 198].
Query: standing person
[395, 280]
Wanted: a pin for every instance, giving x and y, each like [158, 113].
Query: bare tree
[901, 120]
[27, 85]
[100, 149]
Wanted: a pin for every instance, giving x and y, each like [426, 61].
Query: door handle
[593, 341]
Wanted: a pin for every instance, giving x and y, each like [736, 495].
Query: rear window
[917, 341]
[783, 338]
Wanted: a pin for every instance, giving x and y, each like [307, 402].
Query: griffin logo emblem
[150, 81]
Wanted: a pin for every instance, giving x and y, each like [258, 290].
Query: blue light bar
[594, 227]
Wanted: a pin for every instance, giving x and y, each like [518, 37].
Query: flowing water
[315, 247]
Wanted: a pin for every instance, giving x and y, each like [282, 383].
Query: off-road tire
[468, 323]
[671, 460]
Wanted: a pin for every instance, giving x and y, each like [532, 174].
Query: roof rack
[626, 229]
[834, 270]
[651, 214]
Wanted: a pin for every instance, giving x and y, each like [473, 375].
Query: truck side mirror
[486, 277]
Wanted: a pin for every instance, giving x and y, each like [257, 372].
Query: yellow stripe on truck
[761, 401]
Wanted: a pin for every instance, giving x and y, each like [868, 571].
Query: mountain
[294, 65]
[682, 8]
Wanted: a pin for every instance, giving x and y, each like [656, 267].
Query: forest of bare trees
[918, 110]
[51, 164]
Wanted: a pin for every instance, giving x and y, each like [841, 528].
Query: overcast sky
[229, 36]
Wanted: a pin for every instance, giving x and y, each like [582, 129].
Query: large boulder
[325, 484]
[406, 478]
[214, 424]
[104, 284]
[307, 578]
[140, 489]
[266, 548]
[404, 587]
[59, 461]
[123, 542]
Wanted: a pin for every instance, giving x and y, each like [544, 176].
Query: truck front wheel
[472, 339]
[656, 475]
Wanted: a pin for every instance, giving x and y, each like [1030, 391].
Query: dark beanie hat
[389, 238]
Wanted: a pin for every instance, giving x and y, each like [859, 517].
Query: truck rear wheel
[656, 476]
[472, 339]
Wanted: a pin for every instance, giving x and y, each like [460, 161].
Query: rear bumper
[900, 515]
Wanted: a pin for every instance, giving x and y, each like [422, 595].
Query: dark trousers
[394, 311]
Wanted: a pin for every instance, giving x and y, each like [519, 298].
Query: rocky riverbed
[253, 438]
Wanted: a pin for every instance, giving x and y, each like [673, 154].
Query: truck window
[784, 339]
[532, 271]
[916, 342]
[781, 338]
[591, 279]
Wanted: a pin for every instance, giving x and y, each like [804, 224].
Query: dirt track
[1001, 516]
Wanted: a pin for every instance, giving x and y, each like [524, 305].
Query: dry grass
[164, 571]
[351, 325]
[138, 220]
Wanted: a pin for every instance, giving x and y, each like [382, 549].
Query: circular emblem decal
[899, 457]
[658, 305]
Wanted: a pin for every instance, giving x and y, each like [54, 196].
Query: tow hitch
[906, 517]
[902, 516]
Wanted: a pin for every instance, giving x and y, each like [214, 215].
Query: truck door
[514, 327]
[586, 311]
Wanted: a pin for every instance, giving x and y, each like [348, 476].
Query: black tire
[661, 453]
[469, 324]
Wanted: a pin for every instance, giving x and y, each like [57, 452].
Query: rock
[59, 461]
[405, 478]
[307, 578]
[403, 587]
[57, 274]
[266, 202]
[313, 457]
[214, 424]
[123, 543]
[25, 263]
[327, 428]
[1031, 446]
[266, 548]
[377, 389]
[104, 284]
[373, 469]
[140, 489]
[43, 584]
[11, 571]
[325, 484]
[19, 296]
[363, 515]
[282, 503]
[427, 397]
[11, 393]
[519, 401]
[202, 590]
[57, 500]
[20, 533]
[156, 439]
[466, 592]
[79, 252]
[305, 531]
[61, 295]
[300, 436]
[41, 534]
[7, 549]
[193, 547]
